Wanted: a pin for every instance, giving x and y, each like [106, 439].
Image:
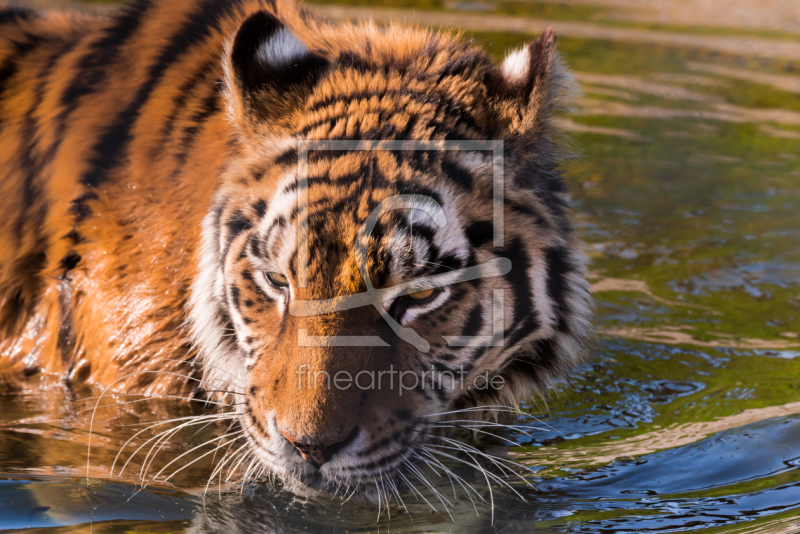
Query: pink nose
[320, 452]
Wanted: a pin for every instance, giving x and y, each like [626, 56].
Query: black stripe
[226, 323]
[279, 221]
[257, 173]
[479, 233]
[540, 174]
[70, 261]
[29, 164]
[544, 359]
[459, 65]
[276, 243]
[528, 211]
[457, 174]
[557, 269]
[382, 260]
[474, 322]
[446, 263]
[290, 188]
[10, 65]
[74, 236]
[546, 355]
[260, 208]
[247, 275]
[349, 98]
[526, 320]
[383, 131]
[321, 209]
[79, 209]
[380, 133]
[17, 14]
[451, 108]
[179, 102]
[114, 141]
[255, 246]
[209, 107]
[351, 60]
[235, 296]
[366, 169]
[237, 224]
[30, 130]
[289, 157]
[94, 65]
[466, 368]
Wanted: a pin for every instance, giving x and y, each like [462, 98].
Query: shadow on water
[686, 187]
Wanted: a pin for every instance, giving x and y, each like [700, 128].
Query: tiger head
[390, 243]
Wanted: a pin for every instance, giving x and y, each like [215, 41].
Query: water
[687, 188]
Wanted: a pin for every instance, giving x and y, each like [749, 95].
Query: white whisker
[414, 489]
[457, 478]
[196, 459]
[442, 499]
[109, 388]
[493, 459]
[195, 419]
[479, 468]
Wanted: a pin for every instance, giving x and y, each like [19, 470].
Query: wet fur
[142, 153]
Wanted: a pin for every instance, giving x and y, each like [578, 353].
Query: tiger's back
[113, 137]
[31, 45]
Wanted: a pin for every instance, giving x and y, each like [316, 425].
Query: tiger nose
[319, 452]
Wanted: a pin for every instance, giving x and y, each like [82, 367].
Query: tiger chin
[354, 231]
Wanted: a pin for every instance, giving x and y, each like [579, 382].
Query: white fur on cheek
[516, 65]
[282, 49]
[219, 354]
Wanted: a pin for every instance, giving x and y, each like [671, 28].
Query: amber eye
[425, 294]
[278, 280]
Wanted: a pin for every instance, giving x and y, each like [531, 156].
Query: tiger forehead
[404, 50]
[437, 90]
[357, 181]
[335, 264]
[341, 245]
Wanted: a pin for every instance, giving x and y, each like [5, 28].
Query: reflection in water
[718, 112]
[676, 335]
[781, 82]
[686, 188]
[776, 15]
[673, 437]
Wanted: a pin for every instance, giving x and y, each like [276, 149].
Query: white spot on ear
[517, 64]
[283, 49]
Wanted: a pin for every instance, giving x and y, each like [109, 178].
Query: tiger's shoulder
[113, 131]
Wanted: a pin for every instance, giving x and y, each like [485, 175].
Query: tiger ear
[524, 87]
[269, 73]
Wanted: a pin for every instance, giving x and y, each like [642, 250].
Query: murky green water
[687, 188]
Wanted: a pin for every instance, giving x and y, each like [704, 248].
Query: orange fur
[117, 137]
[120, 308]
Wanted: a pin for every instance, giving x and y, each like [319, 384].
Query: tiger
[352, 229]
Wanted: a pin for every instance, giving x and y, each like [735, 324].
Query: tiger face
[353, 289]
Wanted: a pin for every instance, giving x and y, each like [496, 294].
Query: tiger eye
[278, 280]
[421, 295]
